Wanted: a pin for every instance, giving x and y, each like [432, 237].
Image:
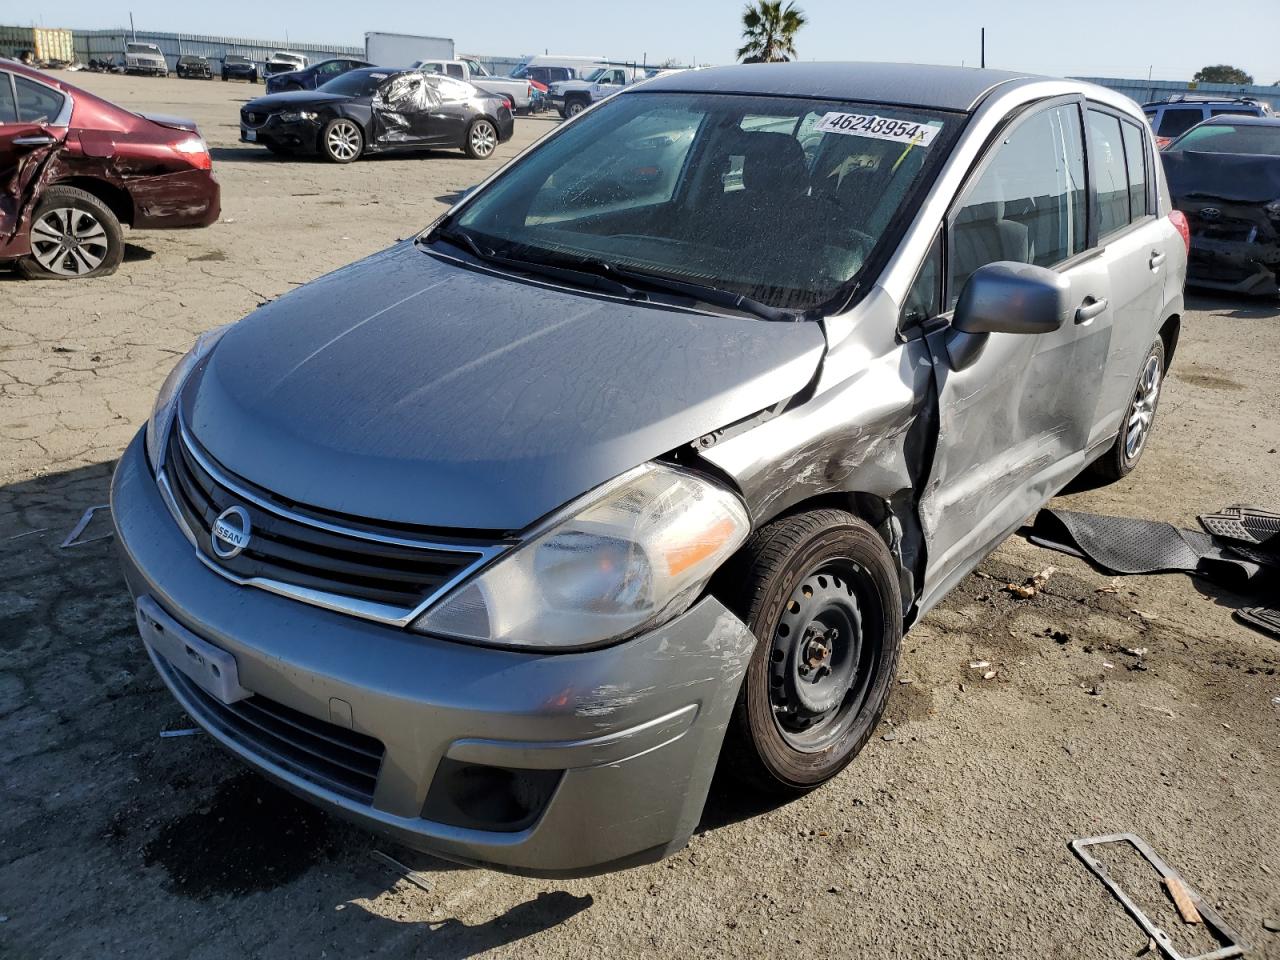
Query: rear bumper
[631, 733]
[302, 136]
[190, 198]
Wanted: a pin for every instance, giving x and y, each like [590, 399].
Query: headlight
[167, 401]
[295, 116]
[618, 561]
[1272, 209]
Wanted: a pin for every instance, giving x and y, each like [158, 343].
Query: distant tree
[1222, 73]
[669, 62]
[769, 29]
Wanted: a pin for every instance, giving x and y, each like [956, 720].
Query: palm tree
[769, 29]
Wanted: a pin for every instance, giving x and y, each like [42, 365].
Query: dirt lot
[946, 838]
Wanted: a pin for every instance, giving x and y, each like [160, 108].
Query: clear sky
[1126, 38]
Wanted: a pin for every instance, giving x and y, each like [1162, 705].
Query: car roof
[906, 84]
[1241, 120]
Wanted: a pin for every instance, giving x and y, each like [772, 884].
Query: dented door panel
[24, 170]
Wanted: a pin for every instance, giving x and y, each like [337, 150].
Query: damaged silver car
[644, 457]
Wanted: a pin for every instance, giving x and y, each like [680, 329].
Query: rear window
[1178, 120]
[1241, 111]
[8, 109]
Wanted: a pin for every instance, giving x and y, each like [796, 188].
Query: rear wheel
[74, 235]
[342, 140]
[1139, 420]
[482, 140]
[820, 592]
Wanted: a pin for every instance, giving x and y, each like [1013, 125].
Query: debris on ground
[414, 877]
[979, 664]
[1188, 901]
[1271, 925]
[73, 538]
[1145, 615]
[1032, 585]
[185, 732]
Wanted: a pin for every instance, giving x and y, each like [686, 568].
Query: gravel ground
[946, 838]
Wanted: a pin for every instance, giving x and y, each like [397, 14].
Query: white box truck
[402, 49]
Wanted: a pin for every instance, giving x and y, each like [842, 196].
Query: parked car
[374, 110]
[1224, 174]
[571, 97]
[282, 61]
[1175, 116]
[236, 67]
[146, 59]
[518, 93]
[314, 75]
[191, 67]
[501, 539]
[74, 168]
[562, 67]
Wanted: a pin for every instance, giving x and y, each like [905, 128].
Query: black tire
[1121, 458]
[95, 227]
[351, 134]
[574, 107]
[482, 139]
[813, 567]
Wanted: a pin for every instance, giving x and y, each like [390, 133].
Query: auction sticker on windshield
[878, 128]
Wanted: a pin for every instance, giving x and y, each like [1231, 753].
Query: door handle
[1157, 258]
[1090, 309]
[34, 140]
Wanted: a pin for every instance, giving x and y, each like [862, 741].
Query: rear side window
[1135, 155]
[1106, 153]
[8, 108]
[37, 103]
[1233, 112]
[1028, 206]
[1178, 120]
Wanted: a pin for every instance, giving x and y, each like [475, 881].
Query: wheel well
[117, 200]
[1169, 334]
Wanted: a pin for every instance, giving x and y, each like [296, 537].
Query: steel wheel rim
[483, 138]
[822, 627]
[343, 140]
[69, 242]
[1143, 410]
[575, 108]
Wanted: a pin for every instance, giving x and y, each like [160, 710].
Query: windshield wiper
[574, 273]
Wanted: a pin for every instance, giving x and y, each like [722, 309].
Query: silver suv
[643, 459]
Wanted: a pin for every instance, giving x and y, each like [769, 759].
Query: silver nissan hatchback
[641, 460]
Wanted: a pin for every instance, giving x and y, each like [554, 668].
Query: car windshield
[233, 59]
[356, 83]
[779, 200]
[142, 48]
[595, 75]
[1249, 138]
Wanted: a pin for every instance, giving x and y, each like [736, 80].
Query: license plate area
[248, 135]
[210, 668]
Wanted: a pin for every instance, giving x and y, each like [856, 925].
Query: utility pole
[984, 47]
[132, 29]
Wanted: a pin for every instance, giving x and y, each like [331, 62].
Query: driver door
[1014, 422]
[26, 139]
[401, 111]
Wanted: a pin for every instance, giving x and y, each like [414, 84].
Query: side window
[36, 102]
[1106, 153]
[1028, 205]
[924, 299]
[454, 70]
[1178, 120]
[8, 108]
[1135, 154]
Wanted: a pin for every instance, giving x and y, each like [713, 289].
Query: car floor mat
[1129, 546]
[1252, 525]
[1261, 618]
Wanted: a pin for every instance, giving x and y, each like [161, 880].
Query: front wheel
[820, 592]
[573, 108]
[74, 235]
[482, 140]
[342, 140]
[1139, 420]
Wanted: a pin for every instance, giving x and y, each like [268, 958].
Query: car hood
[1241, 178]
[292, 98]
[406, 389]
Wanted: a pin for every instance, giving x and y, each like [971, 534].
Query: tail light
[1179, 220]
[194, 151]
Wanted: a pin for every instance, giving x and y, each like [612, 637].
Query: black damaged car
[377, 110]
[1224, 174]
[313, 76]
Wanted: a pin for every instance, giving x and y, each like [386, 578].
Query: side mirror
[1009, 297]
[1006, 297]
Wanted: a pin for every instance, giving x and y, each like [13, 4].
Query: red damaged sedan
[74, 168]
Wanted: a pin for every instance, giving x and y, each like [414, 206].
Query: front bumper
[300, 135]
[633, 730]
[1234, 266]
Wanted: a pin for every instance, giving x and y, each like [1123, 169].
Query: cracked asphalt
[947, 837]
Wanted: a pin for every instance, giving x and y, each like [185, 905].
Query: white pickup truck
[519, 92]
[571, 97]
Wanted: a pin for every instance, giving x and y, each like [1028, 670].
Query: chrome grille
[333, 561]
